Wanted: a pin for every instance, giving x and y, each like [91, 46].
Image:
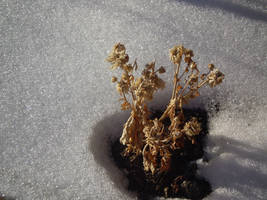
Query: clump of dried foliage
[150, 137]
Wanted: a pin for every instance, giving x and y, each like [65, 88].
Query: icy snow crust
[58, 108]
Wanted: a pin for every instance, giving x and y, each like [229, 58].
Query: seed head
[114, 79]
[161, 70]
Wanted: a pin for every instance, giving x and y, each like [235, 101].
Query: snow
[59, 109]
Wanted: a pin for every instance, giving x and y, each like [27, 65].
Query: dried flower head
[176, 54]
[215, 77]
[192, 128]
[188, 55]
[117, 56]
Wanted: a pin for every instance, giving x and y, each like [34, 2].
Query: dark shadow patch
[104, 133]
[230, 7]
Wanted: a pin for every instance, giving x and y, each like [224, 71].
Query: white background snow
[58, 107]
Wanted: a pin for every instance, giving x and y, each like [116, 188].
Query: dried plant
[150, 137]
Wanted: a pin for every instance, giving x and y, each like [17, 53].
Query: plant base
[181, 179]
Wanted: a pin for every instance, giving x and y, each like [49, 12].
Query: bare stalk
[176, 80]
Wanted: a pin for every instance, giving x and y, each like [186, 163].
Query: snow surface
[58, 108]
